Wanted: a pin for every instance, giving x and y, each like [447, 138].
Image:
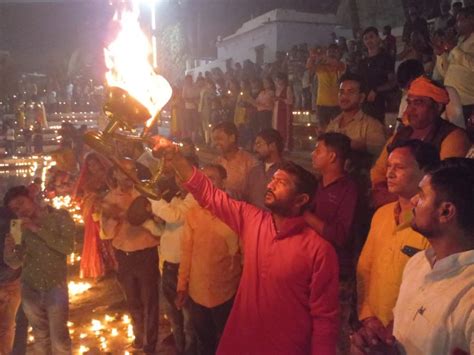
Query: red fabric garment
[97, 256]
[92, 264]
[283, 118]
[83, 182]
[287, 301]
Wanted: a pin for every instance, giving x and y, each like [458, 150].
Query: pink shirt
[287, 300]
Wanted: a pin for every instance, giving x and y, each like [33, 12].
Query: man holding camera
[47, 237]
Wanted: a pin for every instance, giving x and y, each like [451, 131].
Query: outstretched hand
[162, 146]
[165, 148]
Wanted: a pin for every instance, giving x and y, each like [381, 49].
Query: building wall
[277, 30]
[242, 47]
[297, 33]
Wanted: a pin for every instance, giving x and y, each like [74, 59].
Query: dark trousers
[138, 275]
[21, 333]
[183, 330]
[261, 120]
[327, 113]
[209, 324]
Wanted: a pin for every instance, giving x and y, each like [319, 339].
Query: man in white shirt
[434, 311]
[174, 215]
[455, 62]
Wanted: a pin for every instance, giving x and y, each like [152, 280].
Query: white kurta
[434, 311]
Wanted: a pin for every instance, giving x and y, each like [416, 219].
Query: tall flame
[127, 59]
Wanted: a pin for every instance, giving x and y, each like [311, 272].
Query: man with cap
[426, 101]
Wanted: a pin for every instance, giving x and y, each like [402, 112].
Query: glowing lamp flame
[127, 59]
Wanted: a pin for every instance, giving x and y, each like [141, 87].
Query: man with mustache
[366, 133]
[333, 217]
[433, 313]
[235, 160]
[268, 147]
[391, 242]
[426, 100]
[287, 300]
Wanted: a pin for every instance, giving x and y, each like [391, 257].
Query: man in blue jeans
[47, 239]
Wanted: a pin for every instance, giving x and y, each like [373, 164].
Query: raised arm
[171, 213]
[206, 194]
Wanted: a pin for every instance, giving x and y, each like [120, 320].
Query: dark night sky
[37, 33]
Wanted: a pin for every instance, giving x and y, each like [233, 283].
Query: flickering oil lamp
[136, 93]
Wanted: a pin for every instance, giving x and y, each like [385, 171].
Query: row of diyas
[103, 333]
[111, 332]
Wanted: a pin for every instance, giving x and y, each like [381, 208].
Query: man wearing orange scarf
[426, 101]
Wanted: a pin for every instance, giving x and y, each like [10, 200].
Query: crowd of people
[263, 96]
[253, 254]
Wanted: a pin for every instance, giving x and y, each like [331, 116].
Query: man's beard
[427, 232]
[278, 207]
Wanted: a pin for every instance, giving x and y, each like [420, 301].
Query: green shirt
[45, 260]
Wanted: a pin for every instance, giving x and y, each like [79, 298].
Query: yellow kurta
[381, 263]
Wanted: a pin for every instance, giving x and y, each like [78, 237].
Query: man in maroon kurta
[287, 301]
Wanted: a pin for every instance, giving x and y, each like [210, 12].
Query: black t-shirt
[375, 70]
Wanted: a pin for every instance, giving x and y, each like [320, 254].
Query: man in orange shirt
[210, 269]
[235, 160]
[391, 240]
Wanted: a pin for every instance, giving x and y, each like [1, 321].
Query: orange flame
[127, 59]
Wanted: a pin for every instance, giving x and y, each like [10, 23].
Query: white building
[261, 38]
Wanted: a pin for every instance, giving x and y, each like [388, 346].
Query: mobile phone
[409, 251]
[15, 230]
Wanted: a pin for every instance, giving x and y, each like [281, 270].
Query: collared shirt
[287, 300]
[257, 181]
[381, 263]
[238, 169]
[45, 259]
[434, 312]
[457, 68]
[336, 205]
[174, 214]
[210, 265]
[126, 237]
[362, 128]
